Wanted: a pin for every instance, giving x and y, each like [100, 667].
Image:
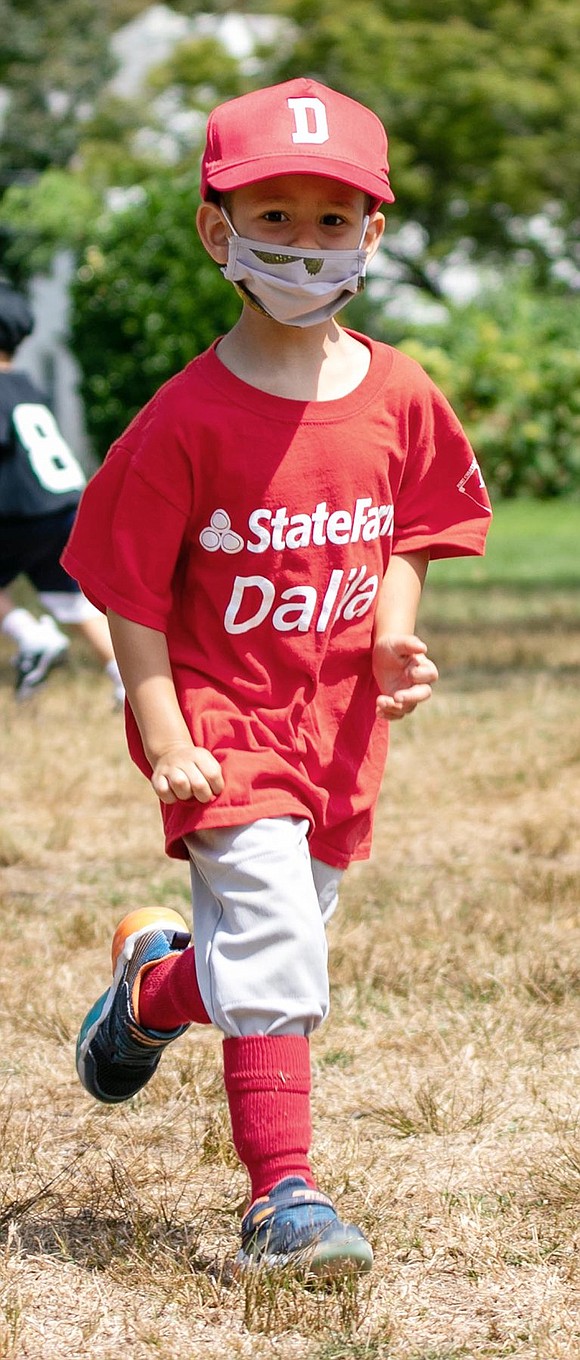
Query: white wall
[46, 357]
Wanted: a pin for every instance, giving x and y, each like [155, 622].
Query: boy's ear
[373, 233]
[213, 231]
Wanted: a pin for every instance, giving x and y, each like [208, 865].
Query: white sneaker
[33, 664]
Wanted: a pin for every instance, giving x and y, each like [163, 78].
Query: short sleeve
[127, 536]
[442, 502]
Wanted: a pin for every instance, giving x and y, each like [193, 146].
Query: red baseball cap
[300, 128]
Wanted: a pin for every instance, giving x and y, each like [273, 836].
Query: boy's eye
[275, 215]
[333, 220]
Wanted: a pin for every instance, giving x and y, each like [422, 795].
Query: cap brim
[235, 176]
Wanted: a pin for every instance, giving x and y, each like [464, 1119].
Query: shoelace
[123, 1046]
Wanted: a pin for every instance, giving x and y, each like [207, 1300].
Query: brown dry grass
[446, 1080]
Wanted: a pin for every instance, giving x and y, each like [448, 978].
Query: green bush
[146, 300]
[510, 366]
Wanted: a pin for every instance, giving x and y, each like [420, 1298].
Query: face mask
[295, 287]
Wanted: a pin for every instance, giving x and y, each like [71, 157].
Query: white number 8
[51, 460]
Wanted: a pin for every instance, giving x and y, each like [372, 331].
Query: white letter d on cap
[305, 133]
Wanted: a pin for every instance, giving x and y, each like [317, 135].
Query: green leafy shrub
[146, 300]
[510, 366]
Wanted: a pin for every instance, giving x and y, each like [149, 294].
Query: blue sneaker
[299, 1227]
[115, 1056]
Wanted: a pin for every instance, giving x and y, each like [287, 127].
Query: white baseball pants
[260, 906]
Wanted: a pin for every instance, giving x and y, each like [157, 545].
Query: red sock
[169, 994]
[267, 1079]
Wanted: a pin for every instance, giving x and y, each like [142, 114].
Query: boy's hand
[187, 771]
[404, 674]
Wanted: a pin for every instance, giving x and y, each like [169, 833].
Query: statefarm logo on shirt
[277, 529]
[346, 595]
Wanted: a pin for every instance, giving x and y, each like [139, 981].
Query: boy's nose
[305, 240]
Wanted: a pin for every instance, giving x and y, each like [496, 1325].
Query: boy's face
[308, 212]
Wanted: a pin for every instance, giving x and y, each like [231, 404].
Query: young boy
[40, 488]
[259, 538]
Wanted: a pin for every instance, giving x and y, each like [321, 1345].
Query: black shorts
[32, 548]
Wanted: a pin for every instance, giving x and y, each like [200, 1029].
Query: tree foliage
[147, 299]
[40, 217]
[54, 59]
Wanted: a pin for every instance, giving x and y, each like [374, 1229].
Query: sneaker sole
[327, 1261]
[126, 935]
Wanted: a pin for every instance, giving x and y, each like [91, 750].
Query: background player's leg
[71, 608]
[40, 644]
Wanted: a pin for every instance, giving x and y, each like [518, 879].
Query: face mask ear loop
[366, 221]
[229, 223]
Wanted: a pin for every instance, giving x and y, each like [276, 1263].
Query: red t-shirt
[254, 532]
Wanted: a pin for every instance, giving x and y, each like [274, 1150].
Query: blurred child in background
[40, 488]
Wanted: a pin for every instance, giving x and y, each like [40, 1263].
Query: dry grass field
[446, 1111]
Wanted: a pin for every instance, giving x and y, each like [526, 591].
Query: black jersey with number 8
[39, 473]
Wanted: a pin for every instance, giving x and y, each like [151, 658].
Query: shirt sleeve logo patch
[472, 483]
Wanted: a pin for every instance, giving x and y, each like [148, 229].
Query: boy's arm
[401, 667]
[181, 770]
